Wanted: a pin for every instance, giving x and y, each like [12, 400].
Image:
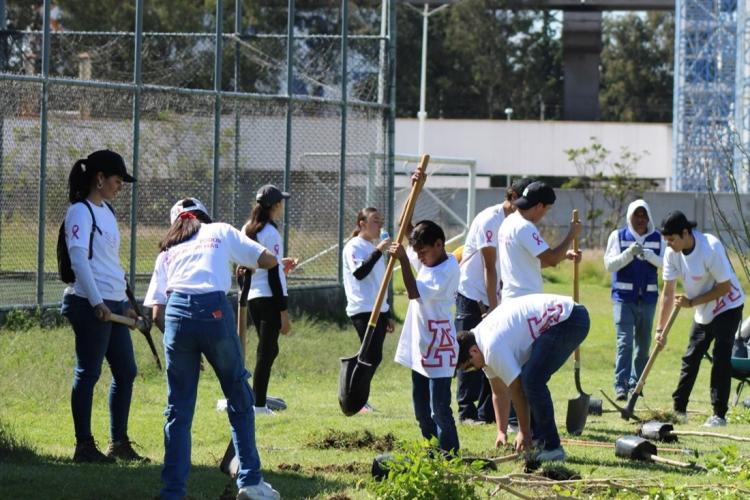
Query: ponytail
[79, 181]
[259, 217]
[362, 215]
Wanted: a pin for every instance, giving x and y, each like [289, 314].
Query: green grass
[36, 429]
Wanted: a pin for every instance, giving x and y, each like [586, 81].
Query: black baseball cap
[519, 185]
[675, 222]
[109, 163]
[269, 195]
[535, 193]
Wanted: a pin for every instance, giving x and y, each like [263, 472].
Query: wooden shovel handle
[405, 218]
[655, 351]
[710, 434]
[123, 320]
[576, 290]
[668, 461]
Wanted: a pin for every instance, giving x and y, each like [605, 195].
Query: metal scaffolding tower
[709, 92]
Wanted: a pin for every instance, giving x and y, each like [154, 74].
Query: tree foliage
[637, 68]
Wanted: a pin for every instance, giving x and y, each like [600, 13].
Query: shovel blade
[578, 411]
[658, 431]
[634, 448]
[355, 376]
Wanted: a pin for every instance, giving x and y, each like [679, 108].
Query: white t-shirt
[520, 244]
[505, 337]
[109, 275]
[705, 266]
[270, 238]
[428, 342]
[482, 234]
[361, 294]
[157, 287]
[202, 263]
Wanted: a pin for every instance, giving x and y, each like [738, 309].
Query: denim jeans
[204, 324]
[633, 321]
[548, 353]
[96, 340]
[432, 407]
[472, 386]
[721, 331]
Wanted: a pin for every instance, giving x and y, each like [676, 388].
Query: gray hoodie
[614, 259]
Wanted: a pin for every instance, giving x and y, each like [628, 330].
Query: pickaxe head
[627, 412]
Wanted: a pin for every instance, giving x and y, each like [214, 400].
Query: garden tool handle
[668, 461]
[575, 220]
[657, 349]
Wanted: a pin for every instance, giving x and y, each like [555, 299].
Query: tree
[637, 68]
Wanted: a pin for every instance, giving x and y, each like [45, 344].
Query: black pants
[266, 317]
[721, 330]
[374, 353]
[472, 385]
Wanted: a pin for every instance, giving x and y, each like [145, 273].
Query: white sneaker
[556, 455]
[221, 405]
[512, 429]
[681, 417]
[367, 408]
[263, 410]
[258, 491]
[715, 421]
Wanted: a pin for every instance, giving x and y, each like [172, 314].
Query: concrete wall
[535, 147]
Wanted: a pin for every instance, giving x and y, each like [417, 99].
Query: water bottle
[384, 235]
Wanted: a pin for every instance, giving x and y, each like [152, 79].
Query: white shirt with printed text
[482, 234]
[109, 275]
[361, 294]
[506, 336]
[428, 341]
[520, 244]
[270, 238]
[700, 270]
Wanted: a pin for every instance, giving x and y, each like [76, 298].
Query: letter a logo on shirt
[441, 335]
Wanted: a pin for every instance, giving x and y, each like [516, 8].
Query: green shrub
[22, 319]
[420, 471]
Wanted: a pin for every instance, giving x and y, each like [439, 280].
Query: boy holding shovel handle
[712, 289]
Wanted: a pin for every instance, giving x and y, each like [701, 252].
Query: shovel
[637, 448]
[147, 323]
[629, 411]
[578, 408]
[229, 464]
[661, 431]
[356, 374]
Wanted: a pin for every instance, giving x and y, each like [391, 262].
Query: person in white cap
[192, 275]
[267, 299]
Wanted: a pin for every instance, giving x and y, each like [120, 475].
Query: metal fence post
[289, 110]
[342, 167]
[217, 111]
[138, 82]
[43, 159]
[3, 49]
[237, 184]
[391, 111]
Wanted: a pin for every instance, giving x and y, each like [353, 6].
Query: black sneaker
[123, 450]
[87, 452]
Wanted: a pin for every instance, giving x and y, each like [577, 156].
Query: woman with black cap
[92, 238]
[268, 291]
[712, 289]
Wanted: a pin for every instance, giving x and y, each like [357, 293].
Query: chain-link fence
[210, 114]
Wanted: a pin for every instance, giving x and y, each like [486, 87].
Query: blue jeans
[96, 340]
[432, 407]
[195, 325]
[633, 321]
[472, 386]
[548, 353]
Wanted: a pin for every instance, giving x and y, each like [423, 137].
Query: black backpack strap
[94, 227]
